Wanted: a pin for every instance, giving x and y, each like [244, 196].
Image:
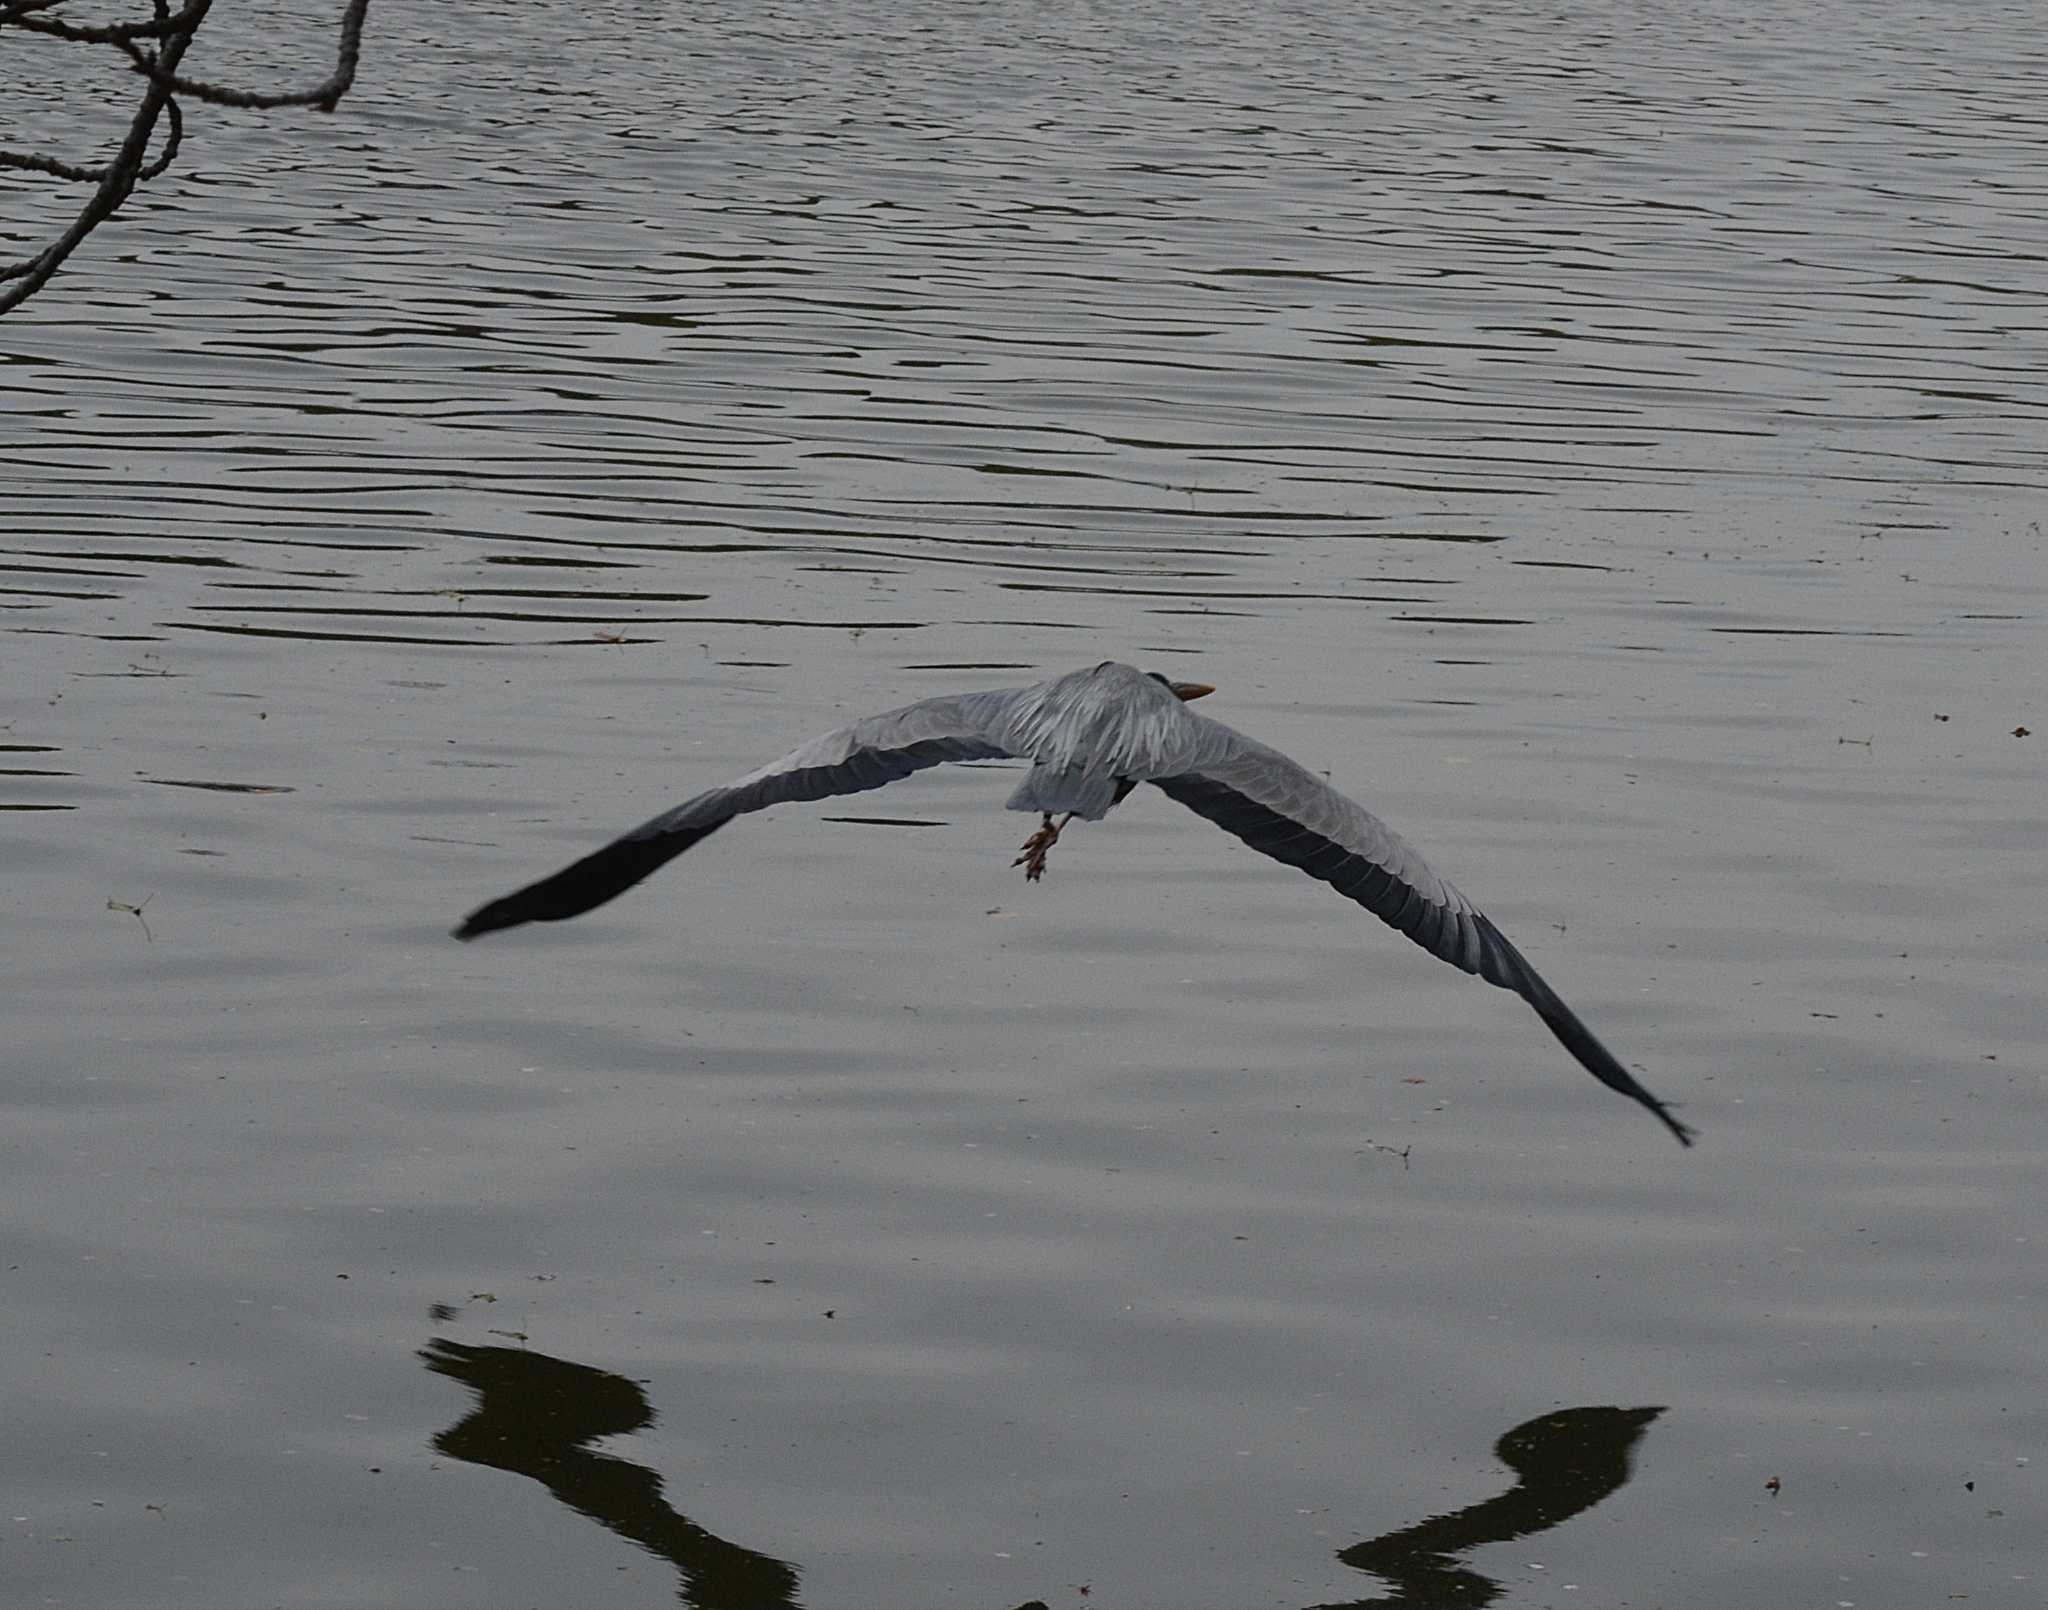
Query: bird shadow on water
[537, 1416]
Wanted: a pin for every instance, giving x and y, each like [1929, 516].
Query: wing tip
[600, 876]
[485, 920]
[1510, 970]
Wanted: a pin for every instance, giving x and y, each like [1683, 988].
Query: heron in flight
[1092, 736]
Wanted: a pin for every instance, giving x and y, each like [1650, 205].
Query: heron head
[1187, 690]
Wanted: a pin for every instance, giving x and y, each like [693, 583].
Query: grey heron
[1092, 736]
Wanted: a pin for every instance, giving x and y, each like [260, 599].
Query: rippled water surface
[1612, 441]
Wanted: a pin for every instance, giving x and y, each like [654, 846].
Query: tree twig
[323, 95]
[173, 33]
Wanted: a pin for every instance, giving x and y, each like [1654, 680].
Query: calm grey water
[1612, 441]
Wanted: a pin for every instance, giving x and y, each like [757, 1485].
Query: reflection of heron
[537, 1416]
[1091, 737]
[1566, 1463]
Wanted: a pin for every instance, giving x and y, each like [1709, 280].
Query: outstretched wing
[1289, 813]
[866, 755]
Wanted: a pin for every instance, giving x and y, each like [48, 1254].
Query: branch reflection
[536, 1416]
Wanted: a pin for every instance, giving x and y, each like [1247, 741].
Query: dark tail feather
[589, 882]
[1516, 974]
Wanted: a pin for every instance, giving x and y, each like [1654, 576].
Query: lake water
[1611, 441]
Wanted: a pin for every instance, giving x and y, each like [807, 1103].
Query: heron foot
[1031, 853]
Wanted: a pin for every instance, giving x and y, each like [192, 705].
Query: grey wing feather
[1286, 811]
[865, 755]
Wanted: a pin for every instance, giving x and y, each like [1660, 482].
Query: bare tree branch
[323, 95]
[20, 8]
[163, 26]
[50, 165]
[173, 34]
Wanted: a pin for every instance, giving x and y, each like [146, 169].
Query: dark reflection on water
[536, 1416]
[1566, 1463]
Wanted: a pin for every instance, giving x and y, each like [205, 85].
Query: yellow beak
[1192, 690]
